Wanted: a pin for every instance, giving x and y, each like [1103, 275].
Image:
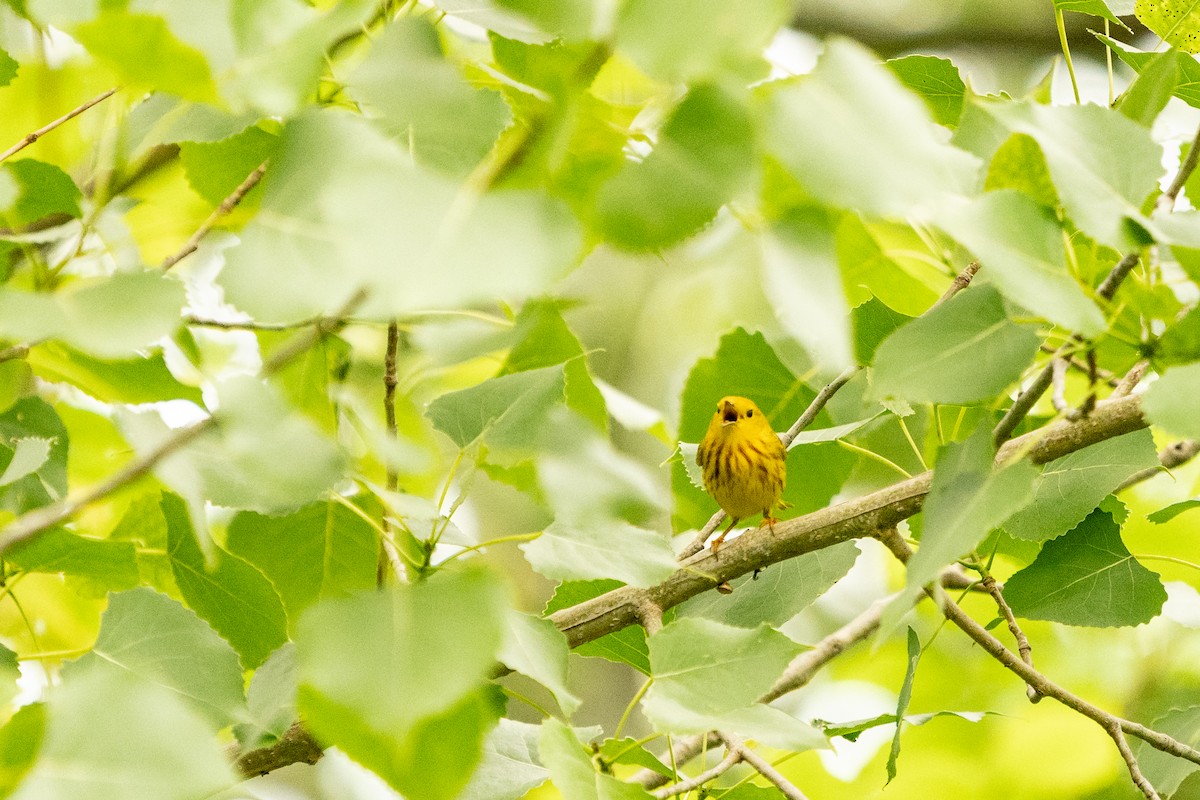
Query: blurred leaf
[885, 156]
[29, 454]
[20, 741]
[573, 771]
[626, 646]
[1103, 198]
[1180, 342]
[777, 593]
[534, 647]
[233, 596]
[10, 671]
[633, 555]
[130, 380]
[1187, 70]
[215, 169]
[154, 638]
[1168, 401]
[1096, 8]
[394, 678]
[423, 100]
[144, 52]
[745, 364]
[510, 766]
[969, 497]
[963, 351]
[1021, 245]
[500, 16]
[271, 699]
[850, 731]
[111, 564]
[324, 550]
[695, 39]
[33, 417]
[703, 155]
[93, 314]
[1147, 96]
[802, 281]
[938, 83]
[16, 381]
[1168, 513]
[903, 699]
[1176, 21]
[1070, 487]
[1167, 772]
[156, 748]
[8, 68]
[344, 210]
[707, 673]
[1087, 577]
[44, 190]
[1019, 164]
[868, 270]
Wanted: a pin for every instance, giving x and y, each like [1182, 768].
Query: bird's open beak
[728, 414]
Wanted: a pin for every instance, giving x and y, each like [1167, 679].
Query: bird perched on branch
[744, 464]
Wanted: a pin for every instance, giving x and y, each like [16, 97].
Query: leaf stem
[871, 454]
[1066, 48]
[629, 708]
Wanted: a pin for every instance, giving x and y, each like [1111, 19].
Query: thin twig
[1108, 287]
[249, 325]
[227, 206]
[1131, 379]
[41, 519]
[960, 282]
[736, 745]
[1171, 456]
[14, 352]
[387, 551]
[40, 132]
[1135, 771]
[1080, 366]
[1058, 379]
[1024, 649]
[732, 757]
[1166, 200]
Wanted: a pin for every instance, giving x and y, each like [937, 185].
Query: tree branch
[1023, 647]
[14, 352]
[227, 205]
[1166, 200]
[736, 745]
[732, 757]
[30, 138]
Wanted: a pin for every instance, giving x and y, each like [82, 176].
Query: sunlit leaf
[509, 767]
[534, 647]
[573, 771]
[1176, 21]
[937, 81]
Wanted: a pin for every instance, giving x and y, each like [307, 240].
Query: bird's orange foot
[768, 522]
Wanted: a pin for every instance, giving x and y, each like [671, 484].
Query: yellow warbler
[743, 463]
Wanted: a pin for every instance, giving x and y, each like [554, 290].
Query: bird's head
[733, 410]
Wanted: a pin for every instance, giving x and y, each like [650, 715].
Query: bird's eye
[750, 413]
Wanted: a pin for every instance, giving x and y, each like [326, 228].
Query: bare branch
[736, 745]
[1023, 647]
[1135, 771]
[732, 757]
[1108, 287]
[1166, 200]
[387, 550]
[227, 205]
[1131, 379]
[249, 325]
[30, 138]
[961, 281]
[1058, 378]
[1171, 456]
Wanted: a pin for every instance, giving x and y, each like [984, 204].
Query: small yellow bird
[743, 462]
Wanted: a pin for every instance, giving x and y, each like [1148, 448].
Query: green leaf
[215, 169]
[626, 646]
[573, 771]
[1102, 197]
[1186, 74]
[872, 263]
[1180, 343]
[938, 83]
[850, 731]
[29, 455]
[144, 52]
[1147, 96]
[10, 672]
[271, 699]
[686, 40]
[968, 498]
[33, 417]
[1087, 577]
[707, 673]
[20, 741]
[630, 751]
[1070, 487]
[422, 99]
[534, 647]
[1168, 513]
[394, 678]
[153, 637]
[903, 699]
[633, 555]
[1167, 772]
[509, 767]
[233, 597]
[93, 314]
[155, 748]
[44, 190]
[745, 364]
[803, 283]
[111, 564]
[777, 593]
[8, 68]
[1168, 401]
[963, 351]
[1097, 8]
[131, 380]
[703, 155]
[1021, 245]
[16, 381]
[1177, 22]
[1019, 164]
[345, 210]
[324, 550]
[884, 156]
